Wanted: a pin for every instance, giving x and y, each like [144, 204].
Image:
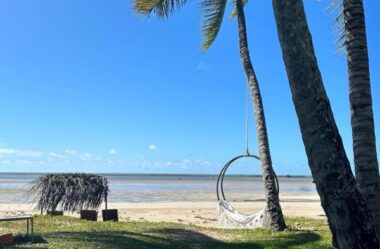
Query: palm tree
[362, 122]
[347, 213]
[213, 12]
[276, 219]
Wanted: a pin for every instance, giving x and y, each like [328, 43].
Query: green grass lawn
[68, 232]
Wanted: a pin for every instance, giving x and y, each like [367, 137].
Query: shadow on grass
[169, 239]
[195, 239]
[25, 241]
[20, 239]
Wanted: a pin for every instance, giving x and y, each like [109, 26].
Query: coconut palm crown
[212, 12]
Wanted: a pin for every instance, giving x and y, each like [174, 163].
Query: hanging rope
[228, 216]
[247, 122]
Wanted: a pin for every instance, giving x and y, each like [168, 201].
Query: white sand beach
[187, 199]
[199, 213]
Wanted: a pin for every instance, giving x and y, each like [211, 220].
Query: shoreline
[154, 174]
[196, 213]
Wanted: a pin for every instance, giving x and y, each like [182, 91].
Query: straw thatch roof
[70, 192]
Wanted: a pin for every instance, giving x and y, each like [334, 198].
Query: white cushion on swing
[229, 217]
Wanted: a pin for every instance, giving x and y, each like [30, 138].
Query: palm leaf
[162, 8]
[336, 6]
[70, 192]
[212, 16]
[234, 12]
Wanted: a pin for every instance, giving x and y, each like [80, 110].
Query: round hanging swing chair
[219, 184]
[228, 216]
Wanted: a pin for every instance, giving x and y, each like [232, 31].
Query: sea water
[166, 188]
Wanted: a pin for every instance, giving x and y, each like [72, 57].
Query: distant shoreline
[150, 174]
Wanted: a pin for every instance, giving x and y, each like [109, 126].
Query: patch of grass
[69, 233]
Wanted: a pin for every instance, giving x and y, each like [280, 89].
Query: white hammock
[229, 217]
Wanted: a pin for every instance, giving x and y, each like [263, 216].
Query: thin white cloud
[203, 66]
[86, 156]
[68, 151]
[68, 158]
[27, 162]
[52, 154]
[112, 151]
[21, 153]
[181, 164]
[186, 163]
[152, 147]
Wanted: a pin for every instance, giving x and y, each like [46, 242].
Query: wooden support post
[27, 227]
[32, 229]
[106, 200]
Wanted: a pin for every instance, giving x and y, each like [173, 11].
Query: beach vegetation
[68, 232]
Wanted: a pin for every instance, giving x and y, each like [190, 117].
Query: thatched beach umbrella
[71, 192]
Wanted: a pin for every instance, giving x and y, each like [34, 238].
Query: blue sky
[91, 86]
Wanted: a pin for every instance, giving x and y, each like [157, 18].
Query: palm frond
[234, 12]
[162, 8]
[336, 6]
[212, 12]
[71, 192]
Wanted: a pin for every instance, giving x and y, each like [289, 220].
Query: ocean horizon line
[147, 174]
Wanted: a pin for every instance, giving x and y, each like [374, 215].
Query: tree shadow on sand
[168, 239]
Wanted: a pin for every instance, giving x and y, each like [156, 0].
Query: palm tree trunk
[362, 122]
[347, 213]
[275, 219]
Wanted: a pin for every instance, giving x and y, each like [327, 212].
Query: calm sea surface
[166, 188]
